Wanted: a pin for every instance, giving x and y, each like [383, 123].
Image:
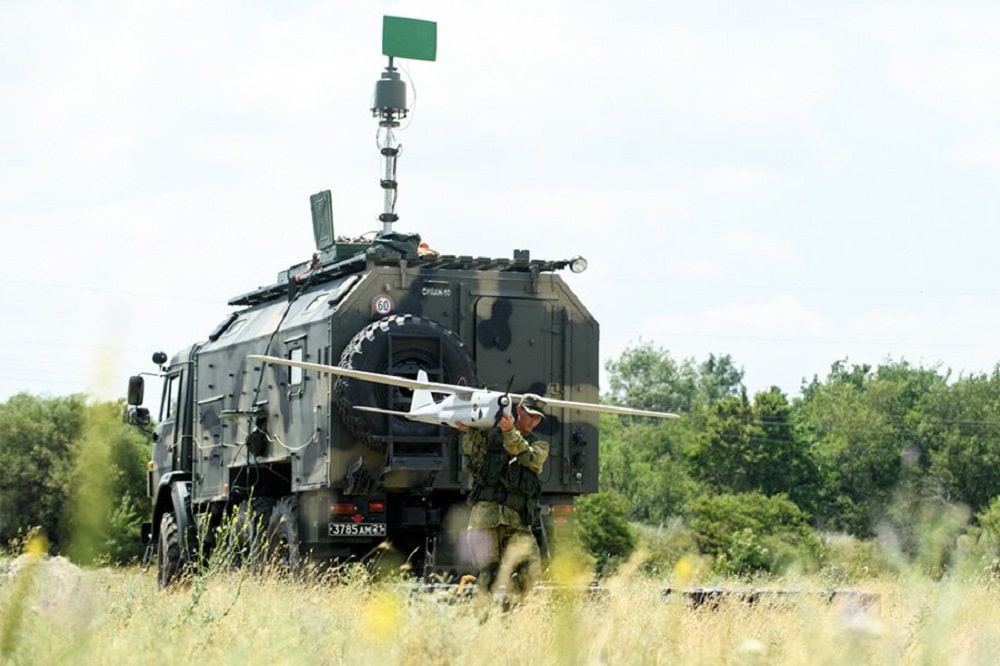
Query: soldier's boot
[519, 585]
[485, 585]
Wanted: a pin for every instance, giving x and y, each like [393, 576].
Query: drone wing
[462, 392]
[594, 407]
[391, 380]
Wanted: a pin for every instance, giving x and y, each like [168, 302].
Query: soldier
[505, 462]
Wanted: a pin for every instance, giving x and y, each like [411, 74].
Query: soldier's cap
[533, 404]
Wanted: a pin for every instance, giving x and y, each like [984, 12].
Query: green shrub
[664, 546]
[603, 529]
[976, 552]
[849, 560]
[751, 533]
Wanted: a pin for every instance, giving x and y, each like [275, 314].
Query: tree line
[870, 452]
[867, 451]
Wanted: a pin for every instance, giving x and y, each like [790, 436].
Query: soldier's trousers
[506, 557]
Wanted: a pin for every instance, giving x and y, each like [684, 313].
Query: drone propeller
[503, 402]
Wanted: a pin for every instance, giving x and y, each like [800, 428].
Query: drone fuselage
[479, 408]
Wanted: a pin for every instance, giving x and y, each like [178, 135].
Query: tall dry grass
[54, 612]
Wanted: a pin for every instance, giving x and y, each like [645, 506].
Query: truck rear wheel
[250, 525]
[168, 551]
[283, 535]
[398, 345]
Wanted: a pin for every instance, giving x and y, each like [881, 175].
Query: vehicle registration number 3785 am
[357, 529]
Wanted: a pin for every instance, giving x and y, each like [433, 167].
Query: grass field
[54, 612]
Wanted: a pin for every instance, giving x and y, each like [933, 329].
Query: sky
[789, 183]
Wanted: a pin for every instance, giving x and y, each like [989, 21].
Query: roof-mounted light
[578, 264]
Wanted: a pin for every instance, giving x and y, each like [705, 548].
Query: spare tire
[398, 345]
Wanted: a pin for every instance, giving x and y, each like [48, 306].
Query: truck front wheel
[168, 551]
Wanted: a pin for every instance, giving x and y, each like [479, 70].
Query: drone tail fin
[421, 397]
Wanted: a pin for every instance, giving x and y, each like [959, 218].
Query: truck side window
[295, 375]
[168, 408]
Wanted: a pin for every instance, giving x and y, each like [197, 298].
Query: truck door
[172, 446]
[514, 339]
[166, 448]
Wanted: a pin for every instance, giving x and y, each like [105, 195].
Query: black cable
[251, 419]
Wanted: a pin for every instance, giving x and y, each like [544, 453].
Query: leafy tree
[37, 445]
[753, 448]
[47, 452]
[642, 459]
[647, 377]
[859, 424]
[791, 464]
[643, 462]
[718, 378]
[857, 466]
[989, 518]
[725, 456]
[959, 434]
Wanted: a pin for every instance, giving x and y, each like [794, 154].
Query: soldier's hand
[525, 458]
[506, 422]
[461, 427]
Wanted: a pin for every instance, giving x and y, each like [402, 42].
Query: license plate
[357, 529]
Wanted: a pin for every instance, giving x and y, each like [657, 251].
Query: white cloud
[782, 340]
[753, 249]
[945, 55]
[779, 319]
[158, 158]
[958, 330]
[735, 180]
[982, 151]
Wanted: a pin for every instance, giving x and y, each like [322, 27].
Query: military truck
[286, 448]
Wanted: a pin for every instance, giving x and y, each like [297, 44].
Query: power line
[816, 341]
[632, 280]
[98, 290]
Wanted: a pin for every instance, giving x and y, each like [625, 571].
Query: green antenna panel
[409, 38]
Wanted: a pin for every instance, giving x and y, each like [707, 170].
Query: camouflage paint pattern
[232, 427]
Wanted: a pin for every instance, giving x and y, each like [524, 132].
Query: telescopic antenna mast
[401, 38]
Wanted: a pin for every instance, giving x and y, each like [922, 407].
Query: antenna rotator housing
[390, 97]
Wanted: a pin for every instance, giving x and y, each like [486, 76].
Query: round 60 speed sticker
[381, 306]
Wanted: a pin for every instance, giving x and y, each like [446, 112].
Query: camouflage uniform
[505, 503]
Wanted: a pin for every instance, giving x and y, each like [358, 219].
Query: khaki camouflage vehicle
[284, 448]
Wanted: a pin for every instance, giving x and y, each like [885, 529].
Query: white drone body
[473, 407]
[478, 408]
